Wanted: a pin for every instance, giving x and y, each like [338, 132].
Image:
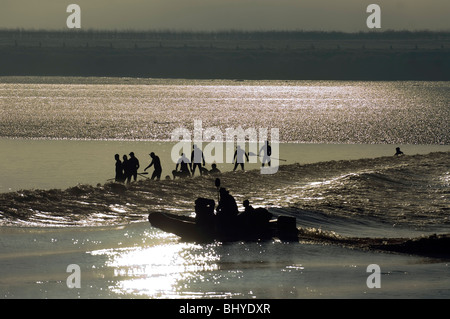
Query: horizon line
[219, 31]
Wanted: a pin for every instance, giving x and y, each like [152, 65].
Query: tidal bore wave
[387, 203]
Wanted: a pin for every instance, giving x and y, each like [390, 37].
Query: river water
[336, 174]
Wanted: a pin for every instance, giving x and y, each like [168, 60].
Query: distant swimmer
[239, 157]
[267, 152]
[156, 163]
[398, 152]
[183, 163]
[197, 159]
[133, 163]
[119, 169]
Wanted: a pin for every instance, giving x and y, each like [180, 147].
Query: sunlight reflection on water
[160, 270]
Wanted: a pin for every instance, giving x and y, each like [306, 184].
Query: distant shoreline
[265, 55]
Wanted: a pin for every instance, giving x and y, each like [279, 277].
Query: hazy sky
[340, 15]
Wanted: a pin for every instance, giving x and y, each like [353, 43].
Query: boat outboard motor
[287, 228]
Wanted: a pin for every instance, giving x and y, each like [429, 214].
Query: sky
[214, 15]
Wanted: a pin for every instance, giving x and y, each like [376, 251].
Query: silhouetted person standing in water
[239, 157]
[267, 151]
[156, 163]
[133, 162]
[119, 169]
[398, 152]
[126, 169]
[197, 159]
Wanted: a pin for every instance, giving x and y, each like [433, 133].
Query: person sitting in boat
[204, 212]
[248, 209]
[227, 209]
[247, 215]
[227, 202]
[256, 217]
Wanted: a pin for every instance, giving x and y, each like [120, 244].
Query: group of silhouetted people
[239, 155]
[126, 169]
[186, 167]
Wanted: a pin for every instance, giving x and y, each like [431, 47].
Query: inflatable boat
[207, 226]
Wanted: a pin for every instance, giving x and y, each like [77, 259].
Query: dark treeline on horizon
[226, 34]
[282, 55]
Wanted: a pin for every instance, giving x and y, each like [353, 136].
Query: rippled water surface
[304, 111]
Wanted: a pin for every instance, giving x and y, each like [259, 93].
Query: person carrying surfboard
[239, 157]
[267, 152]
[156, 163]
